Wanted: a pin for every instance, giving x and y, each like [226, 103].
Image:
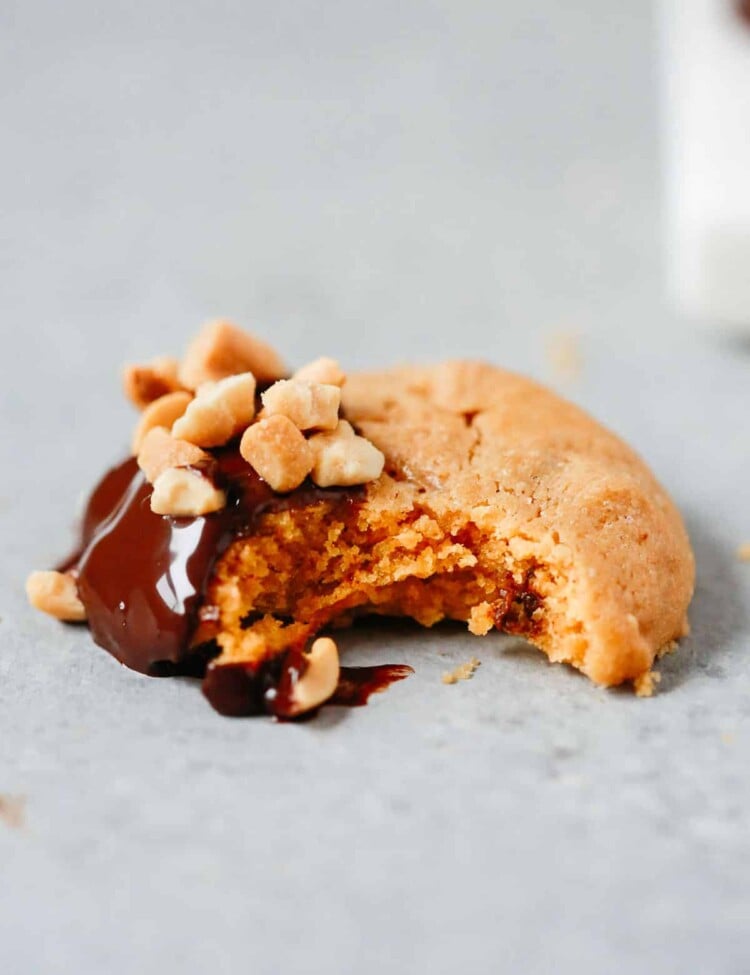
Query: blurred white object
[707, 128]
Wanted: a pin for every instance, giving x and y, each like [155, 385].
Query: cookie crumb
[668, 648]
[462, 672]
[645, 685]
[743, 552]
[12, 811]
[564, 355]
[481, 619]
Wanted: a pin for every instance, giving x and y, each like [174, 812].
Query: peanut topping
[319, 680]
[160, 451]
[323, 370]
[208, 400]
[56, 593]
[310, 406]
[222, 365]
[184, 493]
[221, 349]
[161, 413]
[220, 411]
[344, 459]
[277, 450]
[145, 383]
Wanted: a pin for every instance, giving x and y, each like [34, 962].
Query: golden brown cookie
[259, 511]
[500, 505]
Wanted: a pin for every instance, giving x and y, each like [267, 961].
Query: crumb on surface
[645, 684]
[564, 355]
[743, 552]
[12, 811]
[462, 672]
[668, 648]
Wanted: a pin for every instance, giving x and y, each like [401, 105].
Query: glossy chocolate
[236, 690]
[142, 576]
[355, 687]
[358, 684]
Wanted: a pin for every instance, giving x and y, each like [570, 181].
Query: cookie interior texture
[501, 505]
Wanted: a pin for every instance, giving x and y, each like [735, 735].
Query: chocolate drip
[142, 576]
[238, 691]
[358, 684]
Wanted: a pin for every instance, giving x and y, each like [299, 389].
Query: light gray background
[377, 181]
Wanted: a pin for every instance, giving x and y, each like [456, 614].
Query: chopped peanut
[277, 450]
[145, 383]
[220, 411]
[160, 451]
[343, 459]
[323, 370]
[221, 349]
[319, 681]
[184, 493]
[161, 413]
[310, 406]
[56, 593]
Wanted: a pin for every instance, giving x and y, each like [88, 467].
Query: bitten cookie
[260, 509]
[500, 504]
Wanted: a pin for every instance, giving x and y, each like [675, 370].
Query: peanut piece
[310, 406]
[161, 413]
[319, 680]
[221, 349]
[277, 451]
[145, 383]
[183, 493]
[220, 411]
[323, 370]
[344, 459]
[160, 451]
[56, 593]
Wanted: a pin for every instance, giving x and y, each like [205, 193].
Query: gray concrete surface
[381, 182]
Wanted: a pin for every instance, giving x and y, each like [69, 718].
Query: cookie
[266, 512]
[501, 505]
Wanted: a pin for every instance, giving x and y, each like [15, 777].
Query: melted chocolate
[241, 690]
[142, 576]
[279, 699]
[236, 690]
[355, 687]
[743, 9]
[357, 684]
[514, 611]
